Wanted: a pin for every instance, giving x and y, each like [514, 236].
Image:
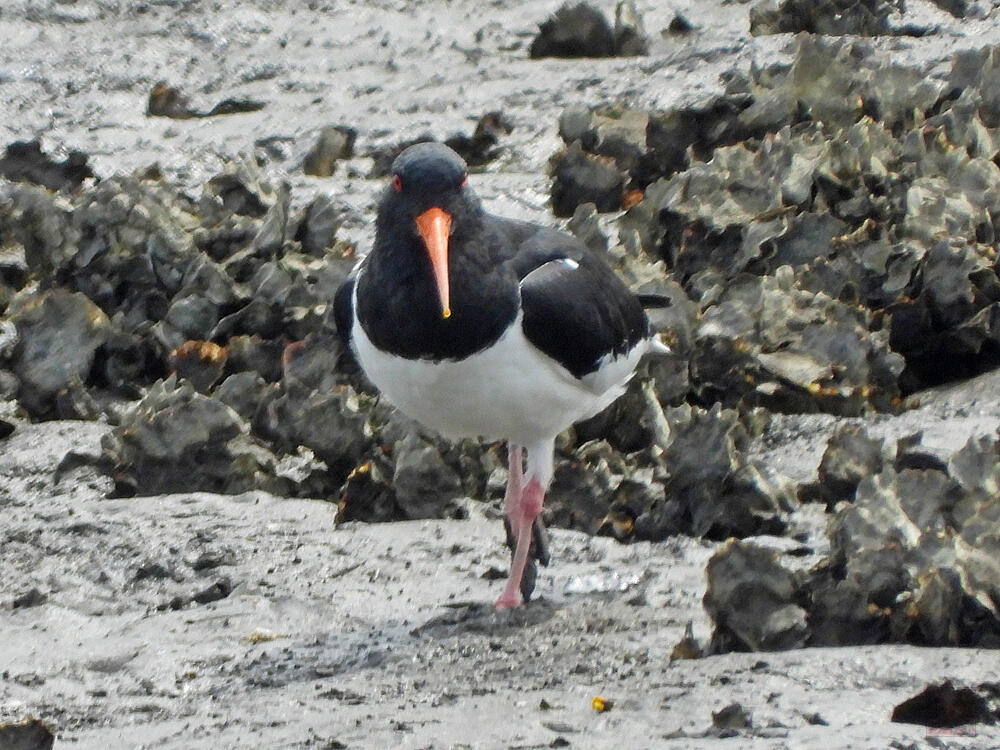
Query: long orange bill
[435, 227]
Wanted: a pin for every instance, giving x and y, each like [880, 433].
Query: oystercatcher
[481, 326]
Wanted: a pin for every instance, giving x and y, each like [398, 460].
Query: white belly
[509, 391]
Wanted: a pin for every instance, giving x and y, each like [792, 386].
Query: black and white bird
[480, 326]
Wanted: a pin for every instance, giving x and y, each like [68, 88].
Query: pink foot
[507, 602]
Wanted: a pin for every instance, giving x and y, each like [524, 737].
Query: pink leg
[515, 486]
[522, 520]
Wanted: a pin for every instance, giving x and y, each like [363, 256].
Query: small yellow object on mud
[601, 704]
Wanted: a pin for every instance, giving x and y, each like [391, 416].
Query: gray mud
[204, 621]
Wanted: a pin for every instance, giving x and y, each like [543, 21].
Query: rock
[318, 225]
[944, 705]
[333, 144]
[586, 226]
[175, 439]
[201, 363]
[480, 148]
[830, 17]
[60, 333]
[581, 178]
[679, 24]
[629, 34]
[911, 559]
[957, 8]
[580, 495]
[425, 485]
[730, 719]
[753, 601]
[256, 355]
[24, 161]
[169, 101]
[243, 392]
[331, 423]
[368, 494]
[31, 598]
[712, 490]
[26, 735]
[574, 31]
[850, 457]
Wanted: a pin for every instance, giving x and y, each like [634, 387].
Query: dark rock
[27, 735]
[333, 144]
[481, 147]
[574, 31]
[712, 490]
[830, 17]
[911, 559]
[217, 591]
[169, 101]
[850, 456]
[331, 423]
[957, 8]
[944, 705]
[201, 363]
[629, 34]
[731, 718]
[24, 161]
[243, 392]
[587, 228]
[581, 178]
[425, 485]
[31, 598]
[318, 225]
[257, 355]
[175, 439]
[59, 333]
[753, 601]
[581, 491]
[368, 494]
[679, 24]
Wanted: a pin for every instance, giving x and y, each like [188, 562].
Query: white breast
[510, 390]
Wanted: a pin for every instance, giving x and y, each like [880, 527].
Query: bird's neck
[400, 308]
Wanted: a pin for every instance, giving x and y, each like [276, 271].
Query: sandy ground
[202, 621]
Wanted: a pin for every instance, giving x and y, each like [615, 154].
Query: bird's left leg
[522, 522]
[512, 497]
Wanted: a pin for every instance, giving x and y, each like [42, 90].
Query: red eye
[465, 179]
[397, 182]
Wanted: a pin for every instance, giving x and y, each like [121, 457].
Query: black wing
[575, 309]
[343, 312]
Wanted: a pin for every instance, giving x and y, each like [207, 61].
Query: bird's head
[428, 198]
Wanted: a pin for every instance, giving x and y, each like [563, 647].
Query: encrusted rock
[712, 490]
[24, 161]
[830, 17]
[754, 601]
[574, 31]
[333, 144]
[59, 333]
[175, 439]
[425, 486]
[481, 147]
[581, 178]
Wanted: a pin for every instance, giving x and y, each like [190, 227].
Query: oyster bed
[188, 452]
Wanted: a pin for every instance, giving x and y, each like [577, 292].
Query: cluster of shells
[828, 232]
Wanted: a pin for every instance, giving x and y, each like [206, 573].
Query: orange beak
[434, 225]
